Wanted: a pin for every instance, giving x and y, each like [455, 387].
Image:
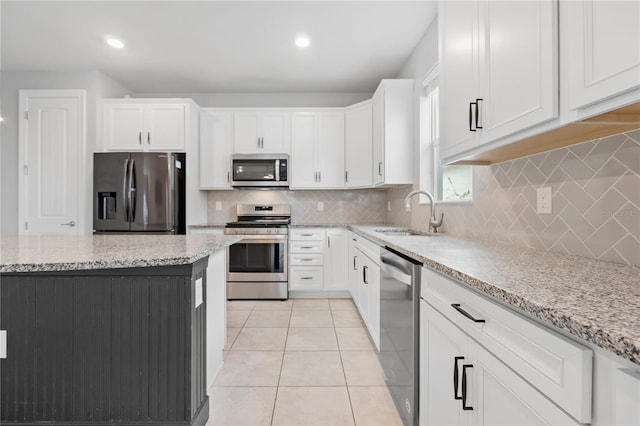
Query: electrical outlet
[388, 206]
[320, 206]
[218, 205]
[544, 200]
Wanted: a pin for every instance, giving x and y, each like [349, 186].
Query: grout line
[284, 349]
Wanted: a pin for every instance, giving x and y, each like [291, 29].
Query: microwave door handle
[277, 170]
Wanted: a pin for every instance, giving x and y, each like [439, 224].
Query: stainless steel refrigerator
[139, 192]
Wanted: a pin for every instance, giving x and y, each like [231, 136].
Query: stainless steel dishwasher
[399, 330]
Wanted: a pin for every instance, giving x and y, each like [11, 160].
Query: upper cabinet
[602, 50]
[393, 132]
[216, 131]
[261, 131]
[498, 70]
[144, 125]
[317, 150]
[359, 145]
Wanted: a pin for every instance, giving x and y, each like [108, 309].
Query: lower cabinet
[318, 260]
[463, 383]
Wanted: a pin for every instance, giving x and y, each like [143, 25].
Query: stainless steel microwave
[260, 170]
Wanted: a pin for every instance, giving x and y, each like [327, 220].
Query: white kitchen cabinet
[354, 267]
[359, 145]
[556, 369]
[318, 261]
[467, 384]
[337, 263]
[216, 138]
[142, 125]
[602, 50]
[393, 133]
[498, 70]
[365, 271]
[261, 131]
[317, 150]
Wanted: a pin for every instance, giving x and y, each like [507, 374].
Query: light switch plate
[388, 206]
[218, 205]
[544, 204]
[320, 206]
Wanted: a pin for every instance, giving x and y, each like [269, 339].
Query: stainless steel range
[257, 266]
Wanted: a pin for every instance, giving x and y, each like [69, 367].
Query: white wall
[213, 100]
[96, 85]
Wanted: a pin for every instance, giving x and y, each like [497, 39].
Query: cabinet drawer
[306, 234]
[556, 366]
[306, 259]
[305, 278]
[305, 246]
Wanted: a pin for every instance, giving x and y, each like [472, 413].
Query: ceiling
[215, 46]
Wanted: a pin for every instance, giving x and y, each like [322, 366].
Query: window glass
[446, 183]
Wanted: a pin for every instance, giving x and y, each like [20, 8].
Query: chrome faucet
[433, 222]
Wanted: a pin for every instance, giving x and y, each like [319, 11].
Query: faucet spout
[433, 222]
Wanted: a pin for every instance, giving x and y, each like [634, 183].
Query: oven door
[258, 258]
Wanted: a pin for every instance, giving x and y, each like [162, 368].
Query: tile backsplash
[339, 207]
[596, 201]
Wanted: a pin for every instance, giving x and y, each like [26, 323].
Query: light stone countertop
[67, 253]
[207, 225]
[594, 300]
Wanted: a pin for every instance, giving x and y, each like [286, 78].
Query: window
[446, 183]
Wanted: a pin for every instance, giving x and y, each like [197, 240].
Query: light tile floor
[299, 362]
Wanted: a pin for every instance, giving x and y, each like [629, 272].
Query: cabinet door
[246, 132]
[354, 268]
[164, 127]
[359, 146]
[458, 73]
[337, 263]
[304, 173]
[373, 323]
[215, 146]
[443, 347]
[123, 126]
[276, 132]
[330, 149]
[499, 396]
[378, 137]
[603, 51]
[518, 66]
[363, 286]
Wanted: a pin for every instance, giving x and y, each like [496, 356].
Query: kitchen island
[104, 329]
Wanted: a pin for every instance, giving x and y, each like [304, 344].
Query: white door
[518, 76]
[603, 53]
[246, 132]
[330, 149]
[359, 146]
[215, 145]
[337, 260]
[304, 173]
[123, 126]
[378, 137]
[52, 162]
[275, 132]
[458, 75]
[164, 127]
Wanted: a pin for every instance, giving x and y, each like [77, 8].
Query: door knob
[72, 224]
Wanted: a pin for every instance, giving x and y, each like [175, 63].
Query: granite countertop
[67, 253]
[207, 225]
[594, 300]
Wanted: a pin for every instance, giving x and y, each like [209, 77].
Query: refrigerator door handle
[130, 190]
[125, 190]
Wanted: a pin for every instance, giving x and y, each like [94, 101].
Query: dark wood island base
[104, 346]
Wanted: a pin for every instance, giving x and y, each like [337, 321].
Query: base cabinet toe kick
[123, 346]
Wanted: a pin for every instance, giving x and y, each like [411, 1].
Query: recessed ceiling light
[302, 41]
[114, 42]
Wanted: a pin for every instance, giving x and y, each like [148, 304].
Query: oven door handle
[263, 238]
[260, 241]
